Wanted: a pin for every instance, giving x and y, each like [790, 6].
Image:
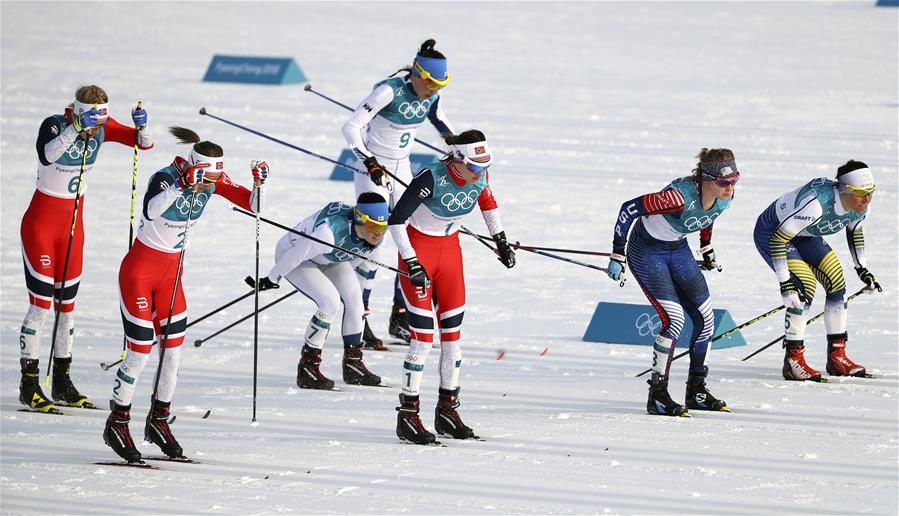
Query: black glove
[793, 285]
[264, 283]
[375, 170]
[506, 255]
[417, 274]
[708, 257]
[867, 278]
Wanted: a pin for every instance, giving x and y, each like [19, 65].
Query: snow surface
[586, 105]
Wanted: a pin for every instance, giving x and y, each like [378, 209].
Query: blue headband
[376, 211]
[435, 66]
[716, 169]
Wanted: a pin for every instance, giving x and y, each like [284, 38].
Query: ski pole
[199, 342]
[310, 237]
[555, 249]
[65, 266]
[256, 295]
[308, 87]
[813, 319]
[728, 332]
[168, 322]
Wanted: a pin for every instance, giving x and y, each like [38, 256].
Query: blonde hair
[91, 94]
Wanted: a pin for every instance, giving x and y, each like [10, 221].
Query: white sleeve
[303, 250]
[791, 225]
[55, 147]
[491, 218]
[161, 201]
[145, 137]
[257, 199]
[401, 239]
[354, 128]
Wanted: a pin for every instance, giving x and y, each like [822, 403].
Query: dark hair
[850, 166]
[427, 50]
[709, 156]
[369, 197]
[205, 148]
[463, 138]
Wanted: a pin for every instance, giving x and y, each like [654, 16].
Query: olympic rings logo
[414, 109]
[830, 227]
[183, 205]
[77, 149]
[648, 324]
[344, 256]
[335, 207]
[459, 201]
[695, 223]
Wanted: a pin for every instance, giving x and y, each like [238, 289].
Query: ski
[165, 458]
[85, 405]
[53, 410]
[121, 464]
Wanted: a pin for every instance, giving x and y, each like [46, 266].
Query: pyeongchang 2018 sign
[254, 70]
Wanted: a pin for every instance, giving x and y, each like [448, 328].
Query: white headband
[216, 165]
[860, 178]
[475, 153]
[80, 107]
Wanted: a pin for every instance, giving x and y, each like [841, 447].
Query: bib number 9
[404, 140]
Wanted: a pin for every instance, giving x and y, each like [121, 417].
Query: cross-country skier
[331, 277]
[663, 265]
[381, 132]
[425, 226]
[148, 276]
[46, 230]
[788, 235]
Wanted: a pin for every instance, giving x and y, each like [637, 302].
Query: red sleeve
[486, 201]
[233, 192]
[116, 132]
[665, 201]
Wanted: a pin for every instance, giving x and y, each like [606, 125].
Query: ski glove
[793, 293]
[708, 258]
[867, 278]
[192, 175]
[616, 266]
[139, 117]
[87, 120]
[260, 172]
[417, 274]
[375, 170]
[264, 283]
[506, 255]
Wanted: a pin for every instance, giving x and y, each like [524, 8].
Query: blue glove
[87, 120]
[139, 116]
[616, 266]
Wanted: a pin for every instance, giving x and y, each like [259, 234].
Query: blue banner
[416, 161]
[255, 70]
[620, 323]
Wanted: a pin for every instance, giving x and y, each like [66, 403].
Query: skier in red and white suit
[425, 227]
[147, 282]
[47, 227]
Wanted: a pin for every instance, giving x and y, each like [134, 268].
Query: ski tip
[202, 110]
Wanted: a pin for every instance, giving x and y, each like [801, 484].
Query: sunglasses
[860, 192]
[375, 226]
[723, 182]
[431, 82]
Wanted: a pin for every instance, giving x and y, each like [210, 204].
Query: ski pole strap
[304, 235]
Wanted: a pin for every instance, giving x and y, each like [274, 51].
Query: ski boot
[408, 424]
[369, 340]
[63, 390]
[399, 325]
[447, 420]
[795, 367]
[699, 397]
[838, 364]
[158, 432]
[308, 374]
[660, 402]
[116, 434]
[30, 393]
[354, 370]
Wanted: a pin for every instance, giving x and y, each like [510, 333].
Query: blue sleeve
[628, 213]
[420, 188]
[158, 184]
[49, 131]
[438, 123]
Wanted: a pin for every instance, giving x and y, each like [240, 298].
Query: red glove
[192, 175]
[260, 172]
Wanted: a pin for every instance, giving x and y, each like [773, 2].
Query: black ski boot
[369, 340]
[158, 432]
[660, 402]
[308, 374]
[447, 420]
[399, 325]
[354, 370]
[699, 397]
[30, 393]
[116, 434]
[64, 391]
[408, 424]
